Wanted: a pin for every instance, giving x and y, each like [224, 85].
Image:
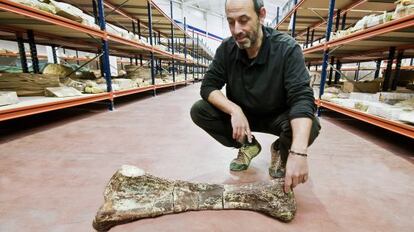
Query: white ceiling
[217, 6]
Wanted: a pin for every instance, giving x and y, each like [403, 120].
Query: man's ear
[262, 15]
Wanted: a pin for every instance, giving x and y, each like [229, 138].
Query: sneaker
[246, 153]
[277, 166]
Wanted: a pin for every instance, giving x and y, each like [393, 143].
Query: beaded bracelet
[299, 154]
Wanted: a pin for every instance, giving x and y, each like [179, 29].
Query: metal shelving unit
[33, 106]
[141, 17]
[397, 127]
[312, 23]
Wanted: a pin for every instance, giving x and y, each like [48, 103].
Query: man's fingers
[240, 134]
[288, 183]
[291, 181]
[295, 181]
[305, 178]
[301, 179]
[249, 134]
[236, 133]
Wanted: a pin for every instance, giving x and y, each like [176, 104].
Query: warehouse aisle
[52, 174]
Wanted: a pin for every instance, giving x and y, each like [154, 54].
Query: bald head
[244, 21]
[256, 4]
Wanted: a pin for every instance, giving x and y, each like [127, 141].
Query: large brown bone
[132, 194]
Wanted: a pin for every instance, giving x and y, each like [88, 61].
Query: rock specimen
[134, 72]
[124, 83]
[62, 92]
[132, 194]
[8, 98]
[27, 84]
[68, 71]
[57, 69]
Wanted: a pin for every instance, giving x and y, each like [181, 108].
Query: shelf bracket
[116, 8]
[317, 14]
[333, 49]
[337, 71]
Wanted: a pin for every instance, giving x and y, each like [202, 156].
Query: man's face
[243, 22]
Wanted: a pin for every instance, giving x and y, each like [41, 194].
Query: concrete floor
[54, 167]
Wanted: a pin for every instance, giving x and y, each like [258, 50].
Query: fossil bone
[132, 194]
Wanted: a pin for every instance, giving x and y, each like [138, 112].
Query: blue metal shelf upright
[105, 52]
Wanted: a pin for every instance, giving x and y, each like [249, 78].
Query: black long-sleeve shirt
[275, 81]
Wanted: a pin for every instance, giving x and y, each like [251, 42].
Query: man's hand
[239, 121]
[296, 171]
[240, 126]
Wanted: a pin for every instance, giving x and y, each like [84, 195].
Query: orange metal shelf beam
[164, 85]
[126, 92]
[370, 53]
[119, 11]
[168, 17]
[177, 58]
[13, 54]
[181, 83]
[48, 17]
[121, 93]
[60, 21]
[74, 58]
[50, 106]
[290, 13]
[153, 4]
[396, 127]
[393, 25]
[161, 52]
[119, 39]
[51, 37]
[343, 11]
[314, 48]
[371, 69]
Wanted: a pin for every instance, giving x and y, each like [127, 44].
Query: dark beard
[251, 37]
[255, 34]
